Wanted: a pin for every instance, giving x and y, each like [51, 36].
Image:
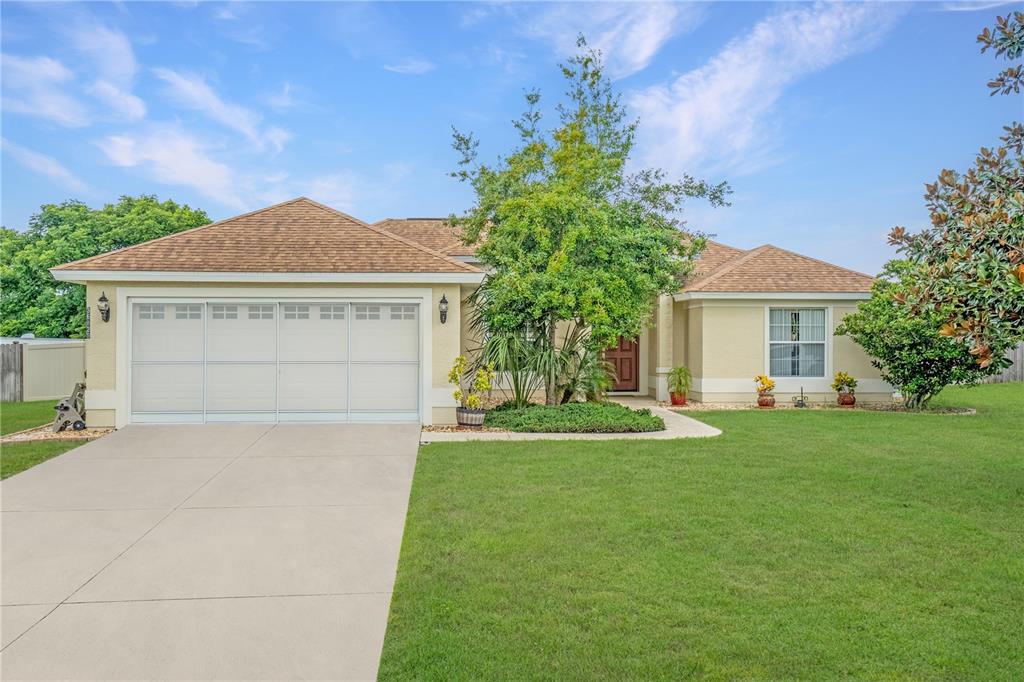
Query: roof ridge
[87, 259]
[403, 240]
[823, 262]
[729, 265]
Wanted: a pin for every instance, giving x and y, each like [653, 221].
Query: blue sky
[825, 118]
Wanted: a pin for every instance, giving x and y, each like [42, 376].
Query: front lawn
[16, 457]
[574, 418]
[812, 545]
[21, 416]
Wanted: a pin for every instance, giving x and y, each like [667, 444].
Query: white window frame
[789, 384]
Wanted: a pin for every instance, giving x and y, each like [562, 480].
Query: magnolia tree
[908, 350]
[968, 267]
[576, 248]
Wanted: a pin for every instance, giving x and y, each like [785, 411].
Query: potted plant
[679, 381]
[469, 387]
[845, 385]
[765, 387]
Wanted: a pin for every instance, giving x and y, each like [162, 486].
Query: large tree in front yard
[969, 265]
[30, 299]
[909, 350]
[571, 240]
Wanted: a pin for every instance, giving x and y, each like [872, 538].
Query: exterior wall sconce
[103, 305]
[442, 308]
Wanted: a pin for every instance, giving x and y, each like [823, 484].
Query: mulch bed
[40, 433]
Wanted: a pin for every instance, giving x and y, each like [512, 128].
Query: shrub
[593, 417]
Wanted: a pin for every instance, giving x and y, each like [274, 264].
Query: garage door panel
[380, 387]
[385, 332]
[239, 332]
[241, 387]
[314, 332]
[287, 360]
[168, 387]
[167, 332]
[313, 388]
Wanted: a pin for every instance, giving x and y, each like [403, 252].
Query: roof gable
[771, 269]
[300, 235]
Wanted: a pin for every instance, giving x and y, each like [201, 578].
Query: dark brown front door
[625, 356]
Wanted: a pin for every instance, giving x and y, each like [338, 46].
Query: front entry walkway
[232, 551]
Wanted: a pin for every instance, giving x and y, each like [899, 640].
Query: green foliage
[31, 300]
[512, 354]
[908, 350]
[591, 417]
[844, 382]
[679, 380]
[16, 457]
[470, 385]
[970, 263]
[565, 233]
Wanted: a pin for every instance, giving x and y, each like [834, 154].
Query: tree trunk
[551, 378]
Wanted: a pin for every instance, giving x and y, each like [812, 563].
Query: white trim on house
[128, 295]
[775, 295]
[82, 276]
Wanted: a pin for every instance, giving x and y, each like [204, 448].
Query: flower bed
[590, 417]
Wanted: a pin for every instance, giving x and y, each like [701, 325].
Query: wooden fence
[40, 371]
[1014, 372]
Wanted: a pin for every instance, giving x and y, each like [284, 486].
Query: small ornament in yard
[844, 385]
[765, 387]
[469, 386]
[800, 400]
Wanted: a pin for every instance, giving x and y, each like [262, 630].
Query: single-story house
[299, 312]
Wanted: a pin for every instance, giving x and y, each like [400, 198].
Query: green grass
[574, 418]
[21, 416]
[798, 545]
[20, 456]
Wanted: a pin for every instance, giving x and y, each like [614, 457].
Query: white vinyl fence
[41, 371]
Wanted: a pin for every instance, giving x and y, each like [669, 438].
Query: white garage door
[275, 361]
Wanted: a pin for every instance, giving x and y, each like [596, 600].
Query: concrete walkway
[676, 426]
[237, 551]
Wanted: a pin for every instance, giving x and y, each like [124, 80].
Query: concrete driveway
[235, 551]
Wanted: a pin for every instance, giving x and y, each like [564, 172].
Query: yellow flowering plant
[844, 383]
[765, 384]
[480, 382]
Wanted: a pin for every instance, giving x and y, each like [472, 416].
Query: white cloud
[629, 34]
[44, 165]
[124, 104]
[110, 51]
[337, 190]
[37, 86]
[174, 157]
[719, 116]
[114, 66]
[282, 100]
[413, 67]
[191, 91]
[973, 6]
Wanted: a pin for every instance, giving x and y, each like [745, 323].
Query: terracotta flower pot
[678, 398]
[847, 399]
[766, 401]
[466, 416]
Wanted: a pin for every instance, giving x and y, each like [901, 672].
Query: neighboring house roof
[300, 235]
[435, 233]
[771, 269]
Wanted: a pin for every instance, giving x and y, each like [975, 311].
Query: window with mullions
[796, 339]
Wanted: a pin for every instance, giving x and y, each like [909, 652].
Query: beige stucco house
[298, 312]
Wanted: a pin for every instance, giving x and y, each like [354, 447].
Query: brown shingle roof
[771, 269]
[300, 235]
[435, 233]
